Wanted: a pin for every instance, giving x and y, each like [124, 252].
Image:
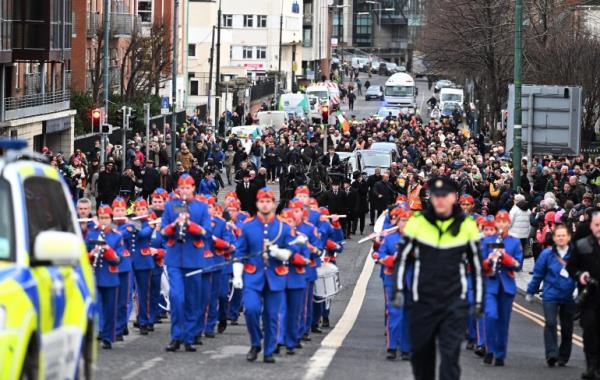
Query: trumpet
[183, 225]
[498, 245]
[99, 247]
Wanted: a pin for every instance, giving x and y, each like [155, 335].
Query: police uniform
[185, 253]
[500, 290]
[105, 264]
[263, 275]
[437, 310]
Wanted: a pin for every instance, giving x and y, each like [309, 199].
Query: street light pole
[517, 117]
[105, 73]
[174, 89]
[218, 71]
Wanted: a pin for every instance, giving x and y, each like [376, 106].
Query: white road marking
[148, 364]
[321, 359]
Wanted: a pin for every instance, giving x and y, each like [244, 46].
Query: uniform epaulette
[248, 220]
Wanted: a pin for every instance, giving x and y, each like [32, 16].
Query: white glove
[238, 270]
[299, 240]
[529, 298]
[279, 253]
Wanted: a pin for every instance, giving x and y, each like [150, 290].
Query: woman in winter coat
[557, 296]
[520, 214]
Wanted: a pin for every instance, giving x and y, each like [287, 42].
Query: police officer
[584, 267]
[105, 247]
[262, 252]
[438, 241]
[186, 227]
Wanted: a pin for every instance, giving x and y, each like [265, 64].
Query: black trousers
[590, 322]
[372, 211]
[348, 225]
[432, 325]
[359, 219]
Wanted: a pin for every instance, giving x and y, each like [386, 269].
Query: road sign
[556, 119]
[164, 102]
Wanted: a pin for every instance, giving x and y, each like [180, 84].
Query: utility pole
[218, 71]
[293, 67]
[174, 89]
[210, 72]
[280, 49]
[105, 74]
[340, 39]
[517, 117]
[147, 124]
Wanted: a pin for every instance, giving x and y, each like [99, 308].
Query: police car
[46, 282]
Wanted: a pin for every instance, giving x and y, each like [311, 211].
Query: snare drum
[327, 284]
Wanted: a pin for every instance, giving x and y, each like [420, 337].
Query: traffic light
[96, 119]
[325, 113]
[120, 118]
[106, 129]
[132, 116]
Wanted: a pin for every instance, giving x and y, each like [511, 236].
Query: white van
[400, 91]
[449, 94]
[359, 63]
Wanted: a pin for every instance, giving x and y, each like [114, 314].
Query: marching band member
[158, 199]
[185, 225]
[236, 219]
[105, 247]
[127, 230]
[384, 252]
[225, 248]
[262, 251]
[332, 237]
[502, 257]
[219, 283]
[142, 264]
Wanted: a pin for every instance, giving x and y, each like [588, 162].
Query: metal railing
[32, 83]
[262, 89]
[68, 78]
[34, 100]
[94, 24]
[123, 24]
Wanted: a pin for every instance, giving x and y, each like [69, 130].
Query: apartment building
[35, 73]
[316, 38]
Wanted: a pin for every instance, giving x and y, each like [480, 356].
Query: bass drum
[327, 284]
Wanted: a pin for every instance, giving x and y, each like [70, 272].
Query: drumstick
[85, 220]
[334, 216]
[120, 218]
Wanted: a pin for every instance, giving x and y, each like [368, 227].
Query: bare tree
[96, 71]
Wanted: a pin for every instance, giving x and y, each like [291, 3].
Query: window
[194, 88]
[247, 52]
[248, 21]
[227, 21]
[230, 52]
[261, 21]
[47, 208]
[145, 10]
[261, 52]
[307, 37]
[191, 50]
[6, 222]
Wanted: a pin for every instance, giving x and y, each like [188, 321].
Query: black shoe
[470, 346]
[175, 345]
[480, 351]
[290, 351]
[126, 331]
[234, 322]
[209, 335]
[253, 354]
[325, 323]
[371, 224]
[150, 328]
[136, 325]
[99, 338]
[405, 356]
[269, 359]
[499, 363]
[190, 348]
[278, 349]
[306, 338]
[488, 358]
[551, 362]
[562, 362]
[158, 321]
[589, 374]
[316, 330]
[298, 346]
[106, 345]
[143, 330]
[391, 355]
[222, 326]
[119, 338]
[198, 340]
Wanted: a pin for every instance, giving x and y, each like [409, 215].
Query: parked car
[442, 83]
[374, 92]
[383, 69]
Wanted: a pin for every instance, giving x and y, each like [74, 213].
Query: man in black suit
[246, 192]
[150, 179]
[335, 200]
[383, 193]
[331, 160]
[351, 207]
[371, 181]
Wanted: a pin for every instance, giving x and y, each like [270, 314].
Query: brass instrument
[100, 246]
[182, 226]
[498, 245]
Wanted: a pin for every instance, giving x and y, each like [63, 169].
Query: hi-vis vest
[414, 198]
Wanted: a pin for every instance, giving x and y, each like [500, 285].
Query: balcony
[395, 20]
[307, 19]
[5, 38]
[123, 24]
[94, 24]
[36, 104]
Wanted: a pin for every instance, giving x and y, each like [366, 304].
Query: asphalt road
[352, 349]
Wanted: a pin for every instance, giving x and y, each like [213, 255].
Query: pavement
[353, 349]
